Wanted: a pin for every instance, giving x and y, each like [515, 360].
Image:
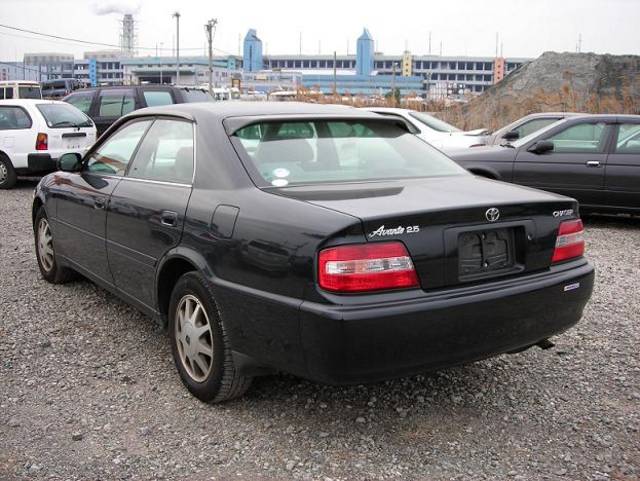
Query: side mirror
[70, 162]
[511, 135]
[542, 147]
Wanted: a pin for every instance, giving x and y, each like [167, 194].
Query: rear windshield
[30, 92]
[196, 96]
[63, 115]
[328, 151]
[432, 122]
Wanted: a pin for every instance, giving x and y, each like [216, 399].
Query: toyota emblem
[492, 214]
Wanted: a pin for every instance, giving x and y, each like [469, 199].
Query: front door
[574, 168]
[82, 203]
[146, 213]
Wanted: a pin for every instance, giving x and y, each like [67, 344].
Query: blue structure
[252, 52]
[93, 72]
[364, 54]
[363, 84]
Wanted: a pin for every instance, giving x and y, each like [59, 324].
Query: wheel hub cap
[45, 245]
[194, 338]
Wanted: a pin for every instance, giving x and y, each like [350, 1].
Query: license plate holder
[485, 253]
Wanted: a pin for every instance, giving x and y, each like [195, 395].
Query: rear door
[574, 168]
[17, 138]
[146, 213]
[112, 104]
[622, 172]
[83, 198]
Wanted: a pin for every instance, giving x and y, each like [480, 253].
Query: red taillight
[366, 267]
[42, 141]
[570, 241]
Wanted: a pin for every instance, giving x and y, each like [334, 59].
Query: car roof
[390, 110]
[30, 102]
[227, 109]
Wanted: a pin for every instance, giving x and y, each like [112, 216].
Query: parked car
[525, 126]
[594, 158]
[438, 133]
[391, 259]
[105, 105]
[35, 133]
[19, 89]
[58, 88]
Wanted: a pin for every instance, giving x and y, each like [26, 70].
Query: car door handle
[99, 203]
[169, 218]
[593, 163]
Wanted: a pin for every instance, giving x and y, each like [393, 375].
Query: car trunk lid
[458, 229]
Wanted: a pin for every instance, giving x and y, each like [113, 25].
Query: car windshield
[329, 151]
[433, 123]
[520, 142]
[63, 115]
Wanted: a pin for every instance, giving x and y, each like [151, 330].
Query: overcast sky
[465, 27]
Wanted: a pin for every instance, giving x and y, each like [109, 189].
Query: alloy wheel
[4, 172]
[194, 338]
[45, 245]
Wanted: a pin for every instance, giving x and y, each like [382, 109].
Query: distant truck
[19, 89]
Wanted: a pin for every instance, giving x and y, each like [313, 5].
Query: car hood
[488, 152]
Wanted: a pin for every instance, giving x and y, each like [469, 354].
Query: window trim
[25, 111]
[96, 146]
[166, 182]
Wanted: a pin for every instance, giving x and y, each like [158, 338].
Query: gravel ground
[88, 391]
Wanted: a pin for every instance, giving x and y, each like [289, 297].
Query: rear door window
[156, 98]
[166, 153]
[13, 118]
[628, 141]
[81, 101]
[113, 156]
[116, 102]
[533, 126]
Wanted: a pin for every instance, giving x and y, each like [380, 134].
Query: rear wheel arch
[169, 273]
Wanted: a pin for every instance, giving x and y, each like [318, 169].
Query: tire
[7, 173]
[201, 349]
[49, 266]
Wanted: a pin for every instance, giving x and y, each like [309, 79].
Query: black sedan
[324, 241]
[593, 158]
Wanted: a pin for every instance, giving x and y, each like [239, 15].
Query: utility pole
[160, 64]
[429, 42]
[335, 80]
[210, 29]
[393, 85]
[177, 16]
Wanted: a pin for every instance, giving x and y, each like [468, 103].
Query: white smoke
[106, 8]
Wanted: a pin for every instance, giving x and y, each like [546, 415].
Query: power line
[87, 42]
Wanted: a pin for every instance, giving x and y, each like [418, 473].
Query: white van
[35, 133]
[19, 89]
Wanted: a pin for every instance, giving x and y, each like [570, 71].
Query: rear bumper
[41, 163]
[365, 343]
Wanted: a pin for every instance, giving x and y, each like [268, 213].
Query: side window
[12, 118]
[8, 93]
[116, 102]
[166, 153]
[580, 138]
[1, 93]
[113, 156]
[533, 126]
[155, 98]
[81, 101]
[628, 141]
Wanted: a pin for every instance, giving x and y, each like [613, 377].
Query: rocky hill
[578, 82]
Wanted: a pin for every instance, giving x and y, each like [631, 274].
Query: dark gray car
[593, 158]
